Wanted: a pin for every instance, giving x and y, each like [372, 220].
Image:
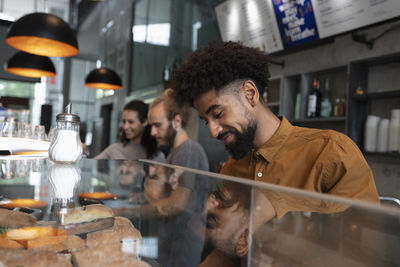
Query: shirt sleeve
[339, 170]
[345, 171]
[105, 154]
[285, 202]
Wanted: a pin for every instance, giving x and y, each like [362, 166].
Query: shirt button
[259, 174]
[257, 153]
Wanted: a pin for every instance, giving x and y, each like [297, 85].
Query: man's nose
[214, 129]
[211, 203]
[152, 170]
[153, 131]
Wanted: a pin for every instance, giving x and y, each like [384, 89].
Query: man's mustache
[221, 135]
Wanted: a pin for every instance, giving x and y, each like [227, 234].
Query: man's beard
[243, 142]
[226, 246]
[169, 137]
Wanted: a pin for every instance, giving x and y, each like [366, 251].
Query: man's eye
[217, 115]
[211, 221]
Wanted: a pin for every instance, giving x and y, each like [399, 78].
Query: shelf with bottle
[374, 91]
[326, 93]
[316, 97]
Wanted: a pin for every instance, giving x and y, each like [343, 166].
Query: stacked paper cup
[371, 132]
[394, 131]
[383, 136]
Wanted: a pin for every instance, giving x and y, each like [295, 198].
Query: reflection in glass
[7, 169]
[37, 164]
[64, 179]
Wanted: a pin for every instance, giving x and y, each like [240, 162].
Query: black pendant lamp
[43, 34]
[103, 78]
[28, 65]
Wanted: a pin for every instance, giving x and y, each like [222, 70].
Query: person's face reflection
[223, 220]
[156, 184]
[128, 171]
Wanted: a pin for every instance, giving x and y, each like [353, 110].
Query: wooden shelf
[320, 119]
[376, 95]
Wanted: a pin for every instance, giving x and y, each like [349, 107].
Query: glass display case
[145, 213]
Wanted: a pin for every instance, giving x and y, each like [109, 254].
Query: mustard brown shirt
[322, 161]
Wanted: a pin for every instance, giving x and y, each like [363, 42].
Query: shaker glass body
[66, 146]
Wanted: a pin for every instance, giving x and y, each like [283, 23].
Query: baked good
[29, 258]
[9, 243]
[123, 230]
[33, 236]
[87, 214]
[88, 219]
[69, 244]
[105, 255]
[32, 232]
[15, 219]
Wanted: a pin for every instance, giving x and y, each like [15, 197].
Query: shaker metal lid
[67, 115]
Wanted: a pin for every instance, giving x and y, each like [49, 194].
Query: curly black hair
[218, 65]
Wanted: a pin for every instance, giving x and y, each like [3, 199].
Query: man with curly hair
[225, 82]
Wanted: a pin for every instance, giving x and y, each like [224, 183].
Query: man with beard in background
[188, 191]
[168, 121]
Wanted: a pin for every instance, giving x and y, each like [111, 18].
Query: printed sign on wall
[296, 21]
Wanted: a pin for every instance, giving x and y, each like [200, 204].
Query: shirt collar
[269, 149]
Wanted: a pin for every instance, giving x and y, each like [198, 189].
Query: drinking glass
[51, 133]
[39, 133]
[25, 130]
[10, 128]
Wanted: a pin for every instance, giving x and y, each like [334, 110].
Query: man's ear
[177, 121]
[242, 245]
[251, 92]
[174, 179]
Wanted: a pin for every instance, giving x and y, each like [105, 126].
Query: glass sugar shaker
[66, 146]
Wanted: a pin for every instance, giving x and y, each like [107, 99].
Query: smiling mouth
[226, 138]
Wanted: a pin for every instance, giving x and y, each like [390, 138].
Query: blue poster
[296, 21]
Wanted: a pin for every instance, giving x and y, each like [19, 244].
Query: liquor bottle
[326, 105]
[340, 107]
[314, 101]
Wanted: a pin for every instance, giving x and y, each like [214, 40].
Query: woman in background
[135, 141]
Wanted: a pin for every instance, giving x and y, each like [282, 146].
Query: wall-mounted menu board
[274, 25]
